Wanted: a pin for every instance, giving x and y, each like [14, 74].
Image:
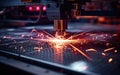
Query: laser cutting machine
[69, 47]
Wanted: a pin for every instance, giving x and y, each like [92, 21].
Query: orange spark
[49, 34]
[109, 49]
[91, 50]
[115, 35]
[110, 60]
[115, 51]
[101, 19]
[80, 52]
[61, 42]
[103, 54]
[76, 35]
[107, 44]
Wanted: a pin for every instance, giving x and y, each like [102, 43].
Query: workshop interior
[60, 37]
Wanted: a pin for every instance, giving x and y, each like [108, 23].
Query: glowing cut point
[60, 42]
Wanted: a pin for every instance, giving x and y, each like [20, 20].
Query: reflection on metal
[79, 66]
[58, 56]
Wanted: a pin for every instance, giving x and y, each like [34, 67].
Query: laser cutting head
[60, 26]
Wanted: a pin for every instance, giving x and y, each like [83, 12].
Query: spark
[59, 42]
[109, 49]
[38, 48]
[107, 44]
[76, 35]
[91, 50]
[80, 51]
[115, 51]
[110, 60]
[92, 34]
[103, 54]
[49, 34]
[115, 35]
